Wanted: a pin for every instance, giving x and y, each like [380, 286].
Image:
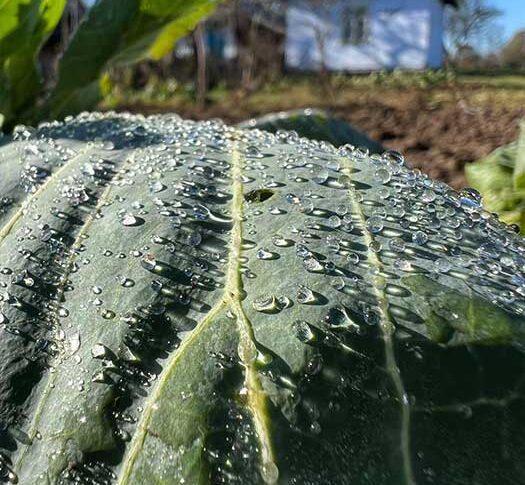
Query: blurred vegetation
[293, 91]
[111, 33]
[513, 53]
[500, 178]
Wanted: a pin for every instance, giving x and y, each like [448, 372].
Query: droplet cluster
[117, 240]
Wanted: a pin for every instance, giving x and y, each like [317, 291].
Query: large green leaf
[191, 303]
[24, 26]
[116, 32]
[316, 125]
[499, 178]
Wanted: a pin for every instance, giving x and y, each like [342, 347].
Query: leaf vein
[387, 329]
[256, 397]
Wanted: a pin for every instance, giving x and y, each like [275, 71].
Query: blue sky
[513, 17]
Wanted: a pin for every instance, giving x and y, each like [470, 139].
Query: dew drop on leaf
[420, 238]
[375, 224]
[130, 220]
[305, 295]
[311, 264]
[263, 253]
[303, 331]
[157, 187]
[383, 175]
[320, 175]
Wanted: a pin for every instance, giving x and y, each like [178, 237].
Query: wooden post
[200, 54]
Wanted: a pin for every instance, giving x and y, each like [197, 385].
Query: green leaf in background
[519, 167]
[116, 32]
[316, 125]
[194, 303]
[499, 178]
[177, 29]
[24, 26]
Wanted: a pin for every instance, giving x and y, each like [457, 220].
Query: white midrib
[255, 396]
[387, 329]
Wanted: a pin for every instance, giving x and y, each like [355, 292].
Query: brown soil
[441, 140]
[437, 137]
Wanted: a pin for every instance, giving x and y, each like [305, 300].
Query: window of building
[355, 25]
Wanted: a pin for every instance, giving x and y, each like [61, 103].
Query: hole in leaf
[259, 195]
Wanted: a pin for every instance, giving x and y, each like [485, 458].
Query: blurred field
[438, 120]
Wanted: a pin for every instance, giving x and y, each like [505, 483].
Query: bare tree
[321, 24]
[471, 24]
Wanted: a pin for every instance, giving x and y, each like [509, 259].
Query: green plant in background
[397, 79]
[113, 33]
[316, 125]
[500, 178]
[192, 303]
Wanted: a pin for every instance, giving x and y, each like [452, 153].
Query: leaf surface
[192, 302]
[316, 125]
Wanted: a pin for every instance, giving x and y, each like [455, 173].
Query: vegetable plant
[500, 177]
[189, 302]
[112, 33]
[315, 124]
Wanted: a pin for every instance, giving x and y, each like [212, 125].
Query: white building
[365, 35]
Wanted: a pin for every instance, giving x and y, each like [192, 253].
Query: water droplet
[126, 282]
[291, 199]
[420, 238]
[302, 251]
[334, 221]
[281, 242]
[63, 312]
[100, 351]
[305, 295]
[303, 331]
[320, 175]
[428, 196]
[470, 197]
[338, 317]
[341, 210]
[264, 254]
[375, 224]
[352, 258]
[74, 343]
[442, 265]
[253, 151]
[156, 187]
[195, 238]
[375, 246]
[397, 245]
[383, 175]
[149, 262]
[130, 220]
[306, 206]
[337, 283]
[108, 314]
[311, 264]
[267, 304]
